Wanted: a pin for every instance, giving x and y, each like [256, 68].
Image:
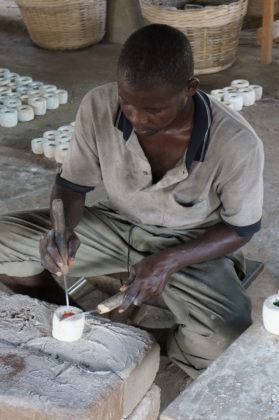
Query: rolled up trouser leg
[211, 309]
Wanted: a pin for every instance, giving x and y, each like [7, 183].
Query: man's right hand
[50, 257]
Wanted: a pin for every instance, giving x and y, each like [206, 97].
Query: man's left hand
[147, 278]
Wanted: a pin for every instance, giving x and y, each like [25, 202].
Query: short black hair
[156, 54]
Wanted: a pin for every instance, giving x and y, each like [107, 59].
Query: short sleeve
[81, 165]
[241, 192]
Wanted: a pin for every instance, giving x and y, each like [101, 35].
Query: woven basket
[64, 24]
[213, 31]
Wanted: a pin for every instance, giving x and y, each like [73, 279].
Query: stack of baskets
[213, 31]
[64, 24]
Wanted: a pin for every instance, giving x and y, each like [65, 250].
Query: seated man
[183, 181]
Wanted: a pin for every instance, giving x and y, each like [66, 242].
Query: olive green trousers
[210, 307]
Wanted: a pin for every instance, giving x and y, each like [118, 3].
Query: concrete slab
[121, 361]
[241, 384]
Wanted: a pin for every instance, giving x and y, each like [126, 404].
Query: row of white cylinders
[239, 94]
[21, 99]
[54, 144]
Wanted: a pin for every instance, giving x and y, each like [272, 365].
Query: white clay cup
[219, 93]
[61, 151]
[52, 100]
[50, 134]
[37, 145]
[63, 96]
[236, 99]
[249, 96]
[258, 91]
[67, 329]
[271, 314]
[25, 113]
[240, 83]
[39, 105]
[49, 149]
[9, 117]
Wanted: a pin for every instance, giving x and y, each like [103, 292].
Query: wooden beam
[268, 13]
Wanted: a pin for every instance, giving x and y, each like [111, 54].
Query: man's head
[154, 78]
[154, 55]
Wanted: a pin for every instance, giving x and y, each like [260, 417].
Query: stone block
[35, 386]
[241, 384]
[149, 407]
[121, 361]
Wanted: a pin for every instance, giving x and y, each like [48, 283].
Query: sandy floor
[25, 179]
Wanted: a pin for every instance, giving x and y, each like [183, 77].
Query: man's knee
[195, 347]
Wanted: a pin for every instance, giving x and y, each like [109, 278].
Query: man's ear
[192, 86]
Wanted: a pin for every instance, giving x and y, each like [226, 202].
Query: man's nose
[138, 117]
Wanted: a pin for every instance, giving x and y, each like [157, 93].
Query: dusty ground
[25, 179]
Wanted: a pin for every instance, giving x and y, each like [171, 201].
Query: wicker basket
[213, 31]
[64, 24]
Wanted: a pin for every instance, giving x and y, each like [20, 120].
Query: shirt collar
[201, 131]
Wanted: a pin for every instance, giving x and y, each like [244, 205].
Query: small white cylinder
[14, 95]
[22, 90]
[63, 137]
[63, 96]
[4, 72]
[67, 329]
[66, 129]
[25, 80]
[3, 108]
[12, 102]
[60, 152]
[4, 80]
[5, 90]
[33, 92]
[3, 98]
[52, 100]
[228, 104]
[236, 99]
[36, 85]
[258, 91]
[25, 113]
[271, 314]
[240, 83]
[219, 93]
[73, 123]
[50, 134]
[14, 77]
[48, 89]
[49, 148]
[13, 85]
[37, 145]
[249, 96]
[24, 99]
[39, 105]
[8, 118]
[230, 89]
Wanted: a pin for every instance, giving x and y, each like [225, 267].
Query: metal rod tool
[104, 307]
[60, 237]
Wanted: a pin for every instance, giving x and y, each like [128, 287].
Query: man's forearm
[216, 242]
[73, 204]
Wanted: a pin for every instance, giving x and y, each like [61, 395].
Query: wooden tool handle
[111, 303]
[60, 231]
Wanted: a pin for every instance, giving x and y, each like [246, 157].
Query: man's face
[152, 110]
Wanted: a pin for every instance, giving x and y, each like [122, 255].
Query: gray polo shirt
[218, 179]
